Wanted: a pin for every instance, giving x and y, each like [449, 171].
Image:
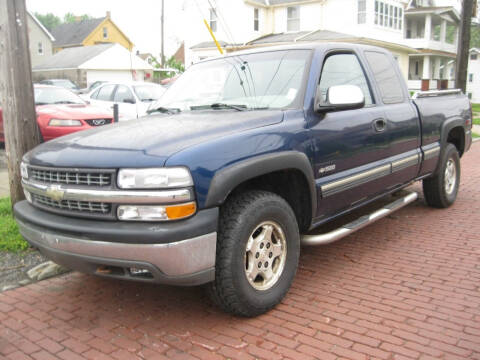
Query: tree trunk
[464, 46]
[16, 91]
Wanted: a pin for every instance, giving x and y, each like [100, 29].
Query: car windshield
[263, 80]
[45, 95]
[148, 92]
[65, 83]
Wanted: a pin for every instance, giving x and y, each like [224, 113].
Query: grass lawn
[475, 135]
[10, 238]
[476, 121]
[476, 107]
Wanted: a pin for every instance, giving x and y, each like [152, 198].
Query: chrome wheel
[265, 255]
[450, 178]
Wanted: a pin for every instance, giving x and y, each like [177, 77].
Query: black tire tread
[433, 190]
[222, 291]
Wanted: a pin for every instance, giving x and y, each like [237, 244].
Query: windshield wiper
[148, 100]
[164, 110]
[219, 106]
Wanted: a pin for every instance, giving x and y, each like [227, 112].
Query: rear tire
[441, 190]
[257, 253]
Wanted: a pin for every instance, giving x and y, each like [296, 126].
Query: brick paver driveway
[405, 287]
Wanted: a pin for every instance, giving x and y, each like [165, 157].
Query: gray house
[40, 40]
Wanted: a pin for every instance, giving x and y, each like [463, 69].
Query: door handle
[380, 125]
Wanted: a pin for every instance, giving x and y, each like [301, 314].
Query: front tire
[257, 253]
[441, 190]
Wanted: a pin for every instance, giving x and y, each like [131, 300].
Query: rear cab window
[388, 81]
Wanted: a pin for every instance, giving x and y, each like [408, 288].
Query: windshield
[263, 80]
[148, 92]
[65, 83]
[46, 95]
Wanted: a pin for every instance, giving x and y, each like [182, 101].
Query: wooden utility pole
[163, 33]
[16, 90]
[463, 49]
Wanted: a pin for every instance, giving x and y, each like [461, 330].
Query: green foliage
[48, 20]
[476, 107]
[51, 21]
[476, 121]
[174, 64]
[10, 238]
[475, 36]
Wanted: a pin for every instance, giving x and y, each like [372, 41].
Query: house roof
[74, 33]
[438, 10]
[477, 50]
[40, 25]
[209, 44]
[100, 57]
[324, 36]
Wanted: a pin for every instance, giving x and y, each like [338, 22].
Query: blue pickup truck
[244, 159]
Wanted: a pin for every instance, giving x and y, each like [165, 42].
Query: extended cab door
[351, 147]
[401, 117]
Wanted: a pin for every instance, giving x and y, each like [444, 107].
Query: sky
[139, 20]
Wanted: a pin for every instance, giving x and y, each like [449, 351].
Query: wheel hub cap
[450, 176]
[265, 255]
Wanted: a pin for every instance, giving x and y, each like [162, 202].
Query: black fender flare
[445, 129]
[227, 179]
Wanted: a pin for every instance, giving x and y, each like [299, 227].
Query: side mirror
[340, 97]
[129, 101]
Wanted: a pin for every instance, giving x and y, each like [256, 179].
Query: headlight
[155, 213]
[64, 122]
[154, 178]
[24, 170]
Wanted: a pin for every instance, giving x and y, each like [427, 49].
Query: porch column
[443, 31]
[428, 27]
[426, 73]
[438, 64]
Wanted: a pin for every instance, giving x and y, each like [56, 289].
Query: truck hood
[147, 141]
[74, 111]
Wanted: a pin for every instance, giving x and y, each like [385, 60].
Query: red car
[61, 112]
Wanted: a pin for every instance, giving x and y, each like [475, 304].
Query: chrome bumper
[186, 262]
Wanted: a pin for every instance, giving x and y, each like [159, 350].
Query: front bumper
[163, 252]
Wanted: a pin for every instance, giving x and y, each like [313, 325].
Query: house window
[416, 68]
[470, 77]
[362, 11]
[256, 23]
[105, 33]
[40, 48]
[387, 15]
[470, 95]
[473, 56]
[213, 20]
[293, 18]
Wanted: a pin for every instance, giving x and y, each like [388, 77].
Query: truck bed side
[443, 118]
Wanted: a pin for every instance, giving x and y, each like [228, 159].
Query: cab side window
[123, 95]
[344, 69]
[105, 93]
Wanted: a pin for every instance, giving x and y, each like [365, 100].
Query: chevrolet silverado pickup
[240, 160]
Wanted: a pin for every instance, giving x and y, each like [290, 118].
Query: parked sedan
[64, 83]
[61, 112]
[133, 98]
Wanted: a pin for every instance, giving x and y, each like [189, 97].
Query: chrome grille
[71, 177]
[74, 206]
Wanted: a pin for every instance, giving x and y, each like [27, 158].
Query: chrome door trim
[405, 162]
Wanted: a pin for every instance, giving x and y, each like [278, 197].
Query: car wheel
[441, 190]
[257, 253]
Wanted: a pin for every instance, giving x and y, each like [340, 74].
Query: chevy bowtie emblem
[55, 193]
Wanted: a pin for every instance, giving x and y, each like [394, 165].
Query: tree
[475, 36]
[49, 20]
[71, 18]
[174, 64]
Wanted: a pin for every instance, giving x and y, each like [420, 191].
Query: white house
[87, 64]
[473, 79]
[40, 40]
[422, 34]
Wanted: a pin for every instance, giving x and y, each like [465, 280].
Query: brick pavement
[406, 287]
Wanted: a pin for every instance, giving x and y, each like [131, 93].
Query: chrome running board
[361, 222]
